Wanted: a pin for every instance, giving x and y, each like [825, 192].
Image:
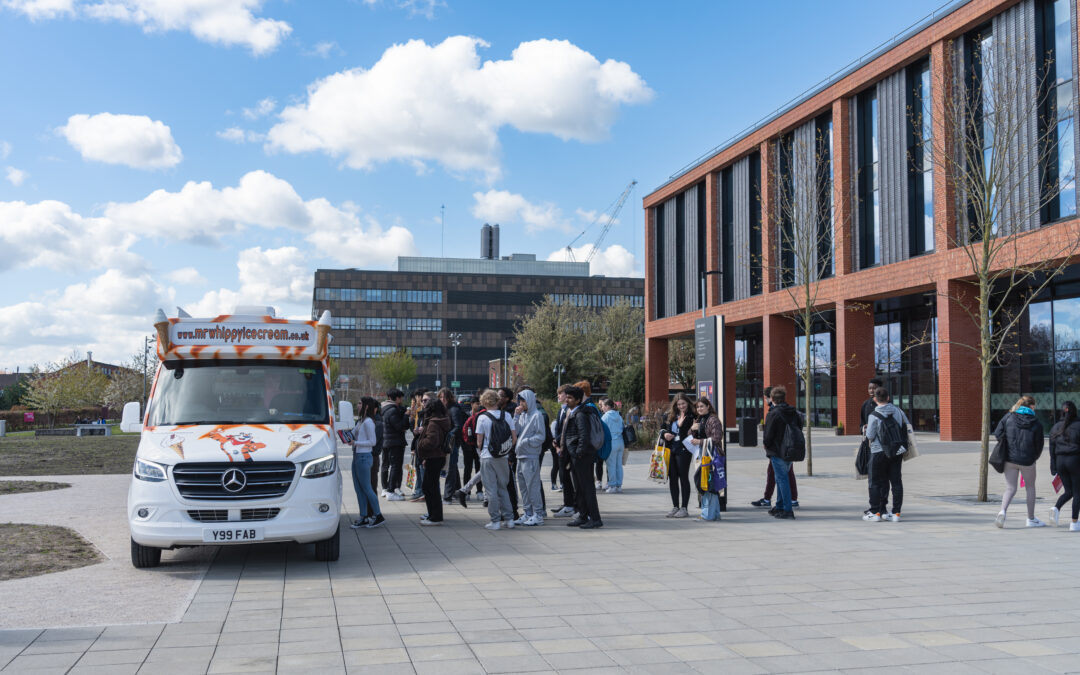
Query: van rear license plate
[229, 535]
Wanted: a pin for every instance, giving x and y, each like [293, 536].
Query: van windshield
[239, 392]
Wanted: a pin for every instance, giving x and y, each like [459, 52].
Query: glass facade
[921, 169]
[520, 266]
[595, 299]
[377, 295]
[1058, 122]
[869, 188]
[824, 136]
[905, 356]
[1047, 366]
[749, 373]
[822, 378]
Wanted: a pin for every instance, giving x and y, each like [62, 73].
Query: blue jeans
[361, 479]
[783, 487]
[614, 466]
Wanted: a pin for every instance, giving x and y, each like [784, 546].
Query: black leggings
[554, 464]
[679, 476]
[1068, 467]
[600, 470]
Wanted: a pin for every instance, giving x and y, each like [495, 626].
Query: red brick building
[894, 257]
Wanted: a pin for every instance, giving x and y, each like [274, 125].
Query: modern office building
[426, 300]
[896, 229]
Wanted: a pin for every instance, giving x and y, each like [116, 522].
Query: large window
[822, 377]
[824, 184]
[786, 186]
[905, 355]
[869, 189]
[755, 224]
[921, 169]
[596, 299]
[727, 235]
[1056, 32]
[377, 295]
[749, 373]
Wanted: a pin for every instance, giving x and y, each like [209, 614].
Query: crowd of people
[505, 435]
[502, 442]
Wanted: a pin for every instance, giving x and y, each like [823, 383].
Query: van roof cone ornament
[322, 334]
[161, 323]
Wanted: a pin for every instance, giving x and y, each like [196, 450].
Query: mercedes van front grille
[233, 480]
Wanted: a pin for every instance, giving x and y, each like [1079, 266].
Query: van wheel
[328, 550]
[144, 556]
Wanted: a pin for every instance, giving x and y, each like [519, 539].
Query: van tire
[144, 556]
[328, 550]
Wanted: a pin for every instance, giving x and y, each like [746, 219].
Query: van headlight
[317, 468]
[149, 471]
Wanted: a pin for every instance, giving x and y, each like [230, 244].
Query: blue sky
[205, 153]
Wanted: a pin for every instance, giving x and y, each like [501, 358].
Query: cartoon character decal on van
[243, 444]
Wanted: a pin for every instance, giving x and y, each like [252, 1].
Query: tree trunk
[808, 377]
[984, 446]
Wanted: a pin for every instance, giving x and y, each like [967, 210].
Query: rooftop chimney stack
[89, 360]
[489, 242]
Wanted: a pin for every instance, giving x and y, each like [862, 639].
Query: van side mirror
[345, 415]
[131, 420]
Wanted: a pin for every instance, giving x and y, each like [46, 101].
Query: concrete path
[942, 591]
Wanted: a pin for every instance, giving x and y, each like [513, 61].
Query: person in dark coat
[1065, 462]
[778, 418]
[1022, 434]
[395, 422]
[457, 422]
[431, 453]
[576, 441]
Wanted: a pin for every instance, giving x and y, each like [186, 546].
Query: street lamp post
[438, 380]
[558, 370]
[455, 340]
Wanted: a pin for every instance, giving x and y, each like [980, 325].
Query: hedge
[67, 417]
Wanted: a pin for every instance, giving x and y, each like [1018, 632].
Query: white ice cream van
[238, 438]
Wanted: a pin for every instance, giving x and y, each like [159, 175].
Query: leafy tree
[616, 334]
[14, 394]
[682, 362]
[126, 385]
[397, 369]
[551, 335]
[68, 384]
[628, 385]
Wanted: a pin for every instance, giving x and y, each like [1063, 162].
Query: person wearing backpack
[495, 436]
[1022, 434]
[770, 479]
[886, 430]
[614, 423]
[1065, 462]
[582, 436]
[783, 424]
[471, 452]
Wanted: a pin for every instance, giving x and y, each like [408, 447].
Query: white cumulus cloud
[281, 277]
[15, 176]
[41, 9]
[238, 135]
[423, 103]
[50, 234]
[132, 140]
[260, 109]
[613, 261]
[5, 149]
[501, 206]
[187, 276]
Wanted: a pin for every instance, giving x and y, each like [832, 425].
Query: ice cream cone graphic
[175, 442]
[297, 440]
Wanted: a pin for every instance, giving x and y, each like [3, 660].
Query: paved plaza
[942, 591]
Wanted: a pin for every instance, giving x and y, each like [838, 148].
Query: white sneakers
[1035, 522]
[1055, 513]
[681, 513]
[894, 517]
[613, 490]
[494, 525]
[565, 512]
[672, 512]
[1074, 527]
[1000, 520]
[395, 497]
[508, 524]
[872, 517]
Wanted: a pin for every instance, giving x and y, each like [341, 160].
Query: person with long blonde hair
[1022, 434]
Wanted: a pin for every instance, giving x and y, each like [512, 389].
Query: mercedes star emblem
[234, 480]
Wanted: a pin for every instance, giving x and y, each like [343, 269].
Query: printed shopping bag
[410, 476]
[658, 463]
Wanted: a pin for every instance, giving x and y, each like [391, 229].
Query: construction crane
[614, 213]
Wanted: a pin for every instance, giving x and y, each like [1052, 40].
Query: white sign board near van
[255, 334]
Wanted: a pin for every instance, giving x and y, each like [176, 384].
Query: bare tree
[682, 362]
[999, 155]
[805, 214]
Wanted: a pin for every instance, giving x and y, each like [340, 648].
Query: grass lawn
[30, 550]
[67, 455]
[11, 487]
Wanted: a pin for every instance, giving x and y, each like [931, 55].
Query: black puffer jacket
[780, 416]
[457, 421]
[395, 423]
[1023, 436]
[576, 432]
[1065, 440]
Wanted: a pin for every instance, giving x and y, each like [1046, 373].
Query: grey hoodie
[873, 423]
[530, 428]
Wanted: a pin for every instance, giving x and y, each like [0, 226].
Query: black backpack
[891, 436]
[793, 445]
[501, 441]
